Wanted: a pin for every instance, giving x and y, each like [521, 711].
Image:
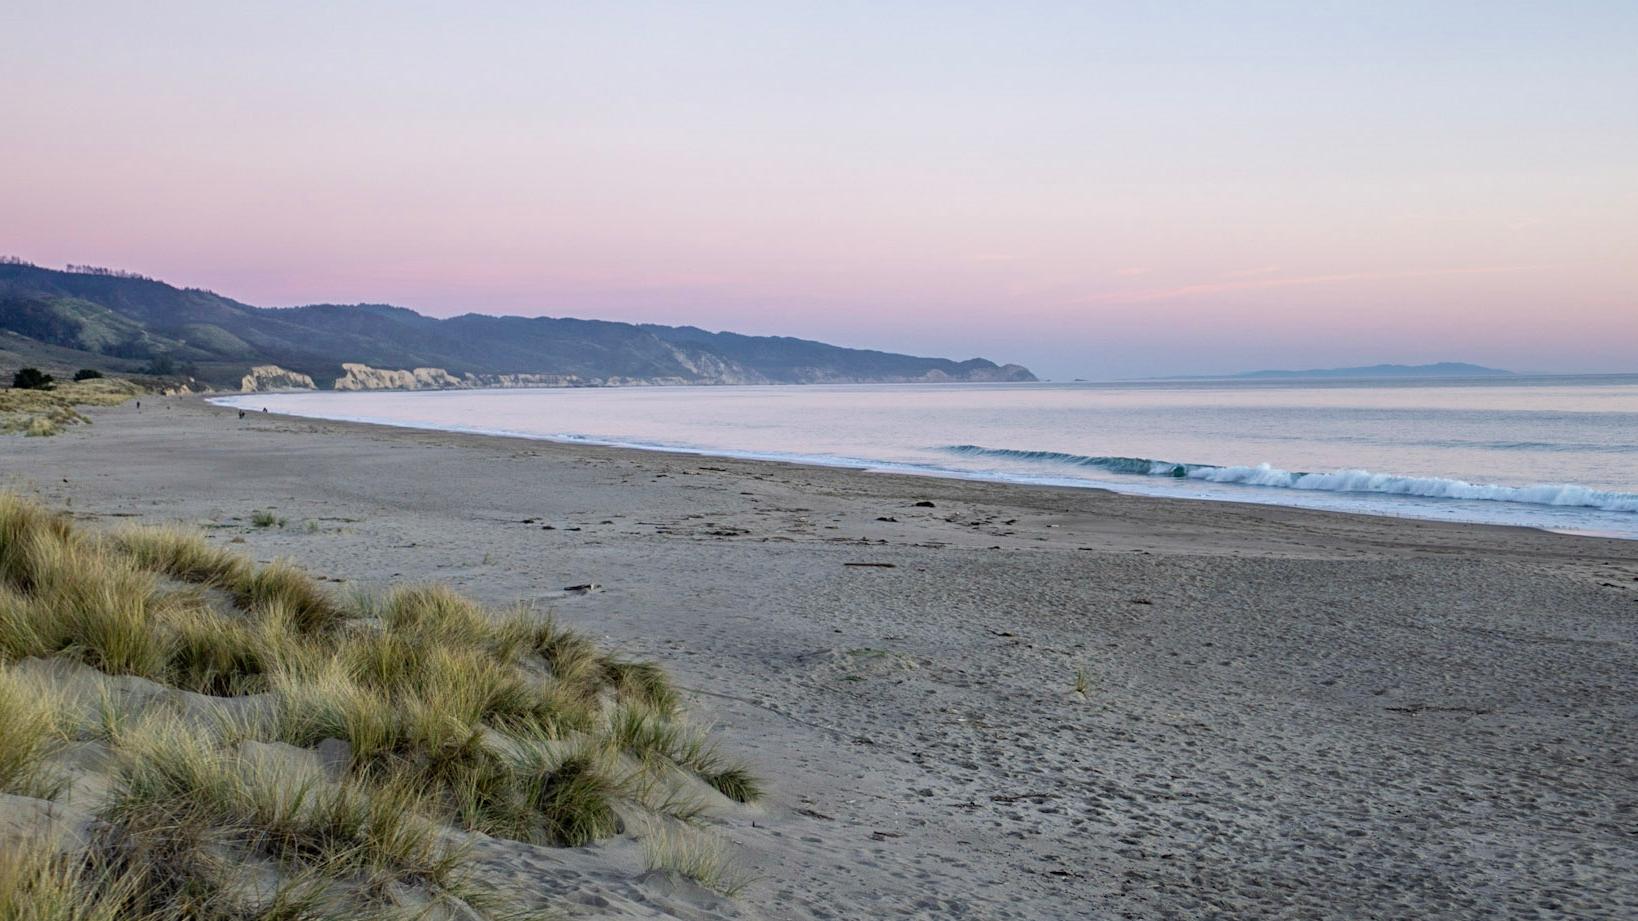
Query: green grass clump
[1083, 681]
[179, 801]
[580, 666]
[185, 555]
[435, 613]
[696, 855]
[39, 884]
[27, 532]
[226, 656]
[322, 702]
[574, 800]
[30, 730]
[643, 682]
[182, 554]
[416, 704]
[561, 795]
[100, 602]
[573, 659]
[262, 518]
[21, 632]
[67, 595]
[656, 740]
[280, 585]
[650, 736]
[735, 782]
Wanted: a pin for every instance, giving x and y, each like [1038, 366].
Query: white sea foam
[1568, 494]
[1355, 481]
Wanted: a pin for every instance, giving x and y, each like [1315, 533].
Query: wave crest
[1346, 480]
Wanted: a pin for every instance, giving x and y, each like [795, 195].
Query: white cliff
[363, 377]
[263, 378]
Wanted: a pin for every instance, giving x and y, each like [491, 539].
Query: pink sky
[1093, 191]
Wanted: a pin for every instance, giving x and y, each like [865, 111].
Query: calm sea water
[1553, 452]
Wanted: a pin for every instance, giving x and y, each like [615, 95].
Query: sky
[1092, 189]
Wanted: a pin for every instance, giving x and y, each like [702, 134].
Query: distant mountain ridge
[1438, 369]
[124, 322]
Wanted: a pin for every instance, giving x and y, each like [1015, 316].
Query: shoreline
[907, 470]
[1285, 711]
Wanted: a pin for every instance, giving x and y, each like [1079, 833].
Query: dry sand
[1287, 714]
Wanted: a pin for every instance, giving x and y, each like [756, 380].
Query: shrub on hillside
[87, 374]
[31, 379]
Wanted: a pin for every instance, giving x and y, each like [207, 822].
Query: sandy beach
[973, 700]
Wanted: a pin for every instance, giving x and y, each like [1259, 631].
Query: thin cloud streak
[1166, 294]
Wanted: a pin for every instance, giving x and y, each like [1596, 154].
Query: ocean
[1552, 452]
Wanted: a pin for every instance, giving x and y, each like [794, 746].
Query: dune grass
[181, 554]
[180, 800]
[1083, 681]
[500, 722]
[734, 781]
[695, 854]
[47, 412]
[279, 586]
[538, 792]
[31, 727]
[39, 884]
[67, 596]
[101, 602]
[263, 518]
[648, 734]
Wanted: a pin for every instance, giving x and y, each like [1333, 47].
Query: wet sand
[1281, 713]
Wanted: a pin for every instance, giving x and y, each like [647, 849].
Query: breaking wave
[1356, 481]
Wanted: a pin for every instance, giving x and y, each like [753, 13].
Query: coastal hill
[1440, 369]
[117, 321]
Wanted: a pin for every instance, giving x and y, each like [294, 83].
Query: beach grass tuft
[574, 798]
[735, 782]
[43, 427]
[264, 518]
[281, 586]
[180, 800]
[643, 682]
[182, 554]
[1083, 681]
[31, 728]
[694, 854]
[39, 883]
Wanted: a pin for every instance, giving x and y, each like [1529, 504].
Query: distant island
[1439, 369]
[1360, 372]
[89, 317]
